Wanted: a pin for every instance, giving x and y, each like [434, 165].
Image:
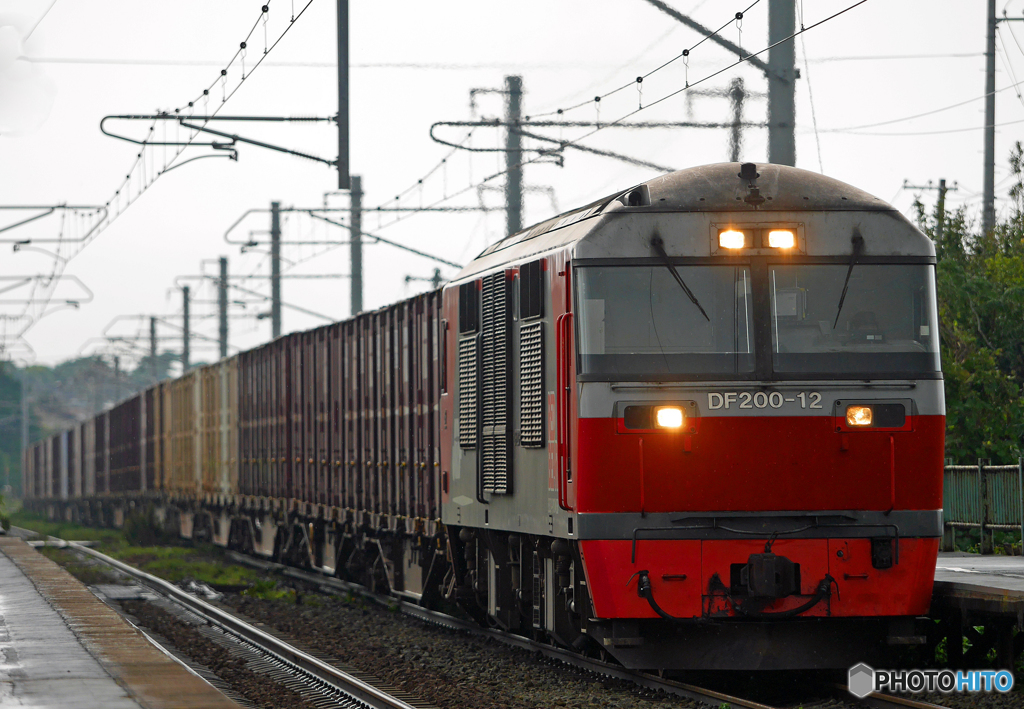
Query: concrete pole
[988, 207]
[185, 353]
[782, 83]
[736, 96]
[275, 270]
[24, 429]
[222, 306]
[343, 166]
[940, 212]
[153, 366]
[356, 245]
[513, 154]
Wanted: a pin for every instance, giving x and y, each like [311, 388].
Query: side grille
[531, 381]
[496, 459]
[468, 360]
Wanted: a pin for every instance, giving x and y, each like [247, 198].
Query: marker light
[781, 239]
[668, 417]
[858, 416]
[732, 239]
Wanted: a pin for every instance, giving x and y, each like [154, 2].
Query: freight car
[696, 424]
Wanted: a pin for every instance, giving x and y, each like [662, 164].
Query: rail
[305, 663]
[585, 664]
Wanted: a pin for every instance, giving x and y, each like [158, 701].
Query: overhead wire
[1008, 64]
[737, 17]
[810, 92]
[603, 126]
[144, 183]
[917, 115]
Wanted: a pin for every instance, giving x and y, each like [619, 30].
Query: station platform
[61, 646]
[981, 599]
[992, 584]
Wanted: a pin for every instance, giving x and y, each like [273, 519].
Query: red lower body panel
[759, 463]
[681, 573]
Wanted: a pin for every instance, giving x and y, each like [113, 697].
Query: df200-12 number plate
[761, 400]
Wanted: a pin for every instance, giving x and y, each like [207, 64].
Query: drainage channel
[325, 684]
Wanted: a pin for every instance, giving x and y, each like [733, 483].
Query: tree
[980, 281]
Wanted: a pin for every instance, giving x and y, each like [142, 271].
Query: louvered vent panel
[531, 383]
[468, 391]
[494, 378]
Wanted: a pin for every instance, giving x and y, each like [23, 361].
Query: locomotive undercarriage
[526, 584]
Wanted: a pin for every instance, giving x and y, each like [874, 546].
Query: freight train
[695, 424]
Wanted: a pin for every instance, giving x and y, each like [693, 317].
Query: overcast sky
[65, 65]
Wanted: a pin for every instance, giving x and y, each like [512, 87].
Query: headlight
[668, 417]
[858, 416]
[781, 239]
[732, 239]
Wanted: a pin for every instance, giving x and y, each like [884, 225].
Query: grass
[204, 563]
[108, 538]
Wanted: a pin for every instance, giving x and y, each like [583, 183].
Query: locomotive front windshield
[638, 321]
[886, 322]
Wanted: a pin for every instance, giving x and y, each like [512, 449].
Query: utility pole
[513, 154]
[24, 427]
[222, 305]
[940, 208]
[736, 96]
[434, 280]
[356, 246]
[275, 270]
[185, 333]
[152, 350]
[988, 207]
[782, 82]
[780, 70]
[343, 166]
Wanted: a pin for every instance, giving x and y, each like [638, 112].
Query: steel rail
[320, 671]
[642, 679]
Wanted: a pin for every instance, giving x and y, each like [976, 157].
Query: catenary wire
[635, 111]
[682, 55]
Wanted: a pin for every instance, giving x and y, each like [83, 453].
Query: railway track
[328, 684]
[331, 680]
[591, 665]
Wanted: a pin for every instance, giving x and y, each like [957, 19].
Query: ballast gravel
[447, 668]
[259, 690]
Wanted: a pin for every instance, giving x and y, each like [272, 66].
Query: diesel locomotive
[695, 424]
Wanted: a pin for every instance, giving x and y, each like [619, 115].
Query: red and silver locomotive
[699, 424]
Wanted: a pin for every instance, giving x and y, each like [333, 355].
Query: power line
[938, 132]
[140, 159]
[916, 115]
[810, 93]
[616, 122]
[684, 55]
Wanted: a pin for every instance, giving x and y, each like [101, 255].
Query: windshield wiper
[659, 248]
[858, 245]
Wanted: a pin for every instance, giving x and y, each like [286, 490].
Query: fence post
[983, 502]
[1020, 499]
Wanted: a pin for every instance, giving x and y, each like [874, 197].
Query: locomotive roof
[719, 188]
[705, 188]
